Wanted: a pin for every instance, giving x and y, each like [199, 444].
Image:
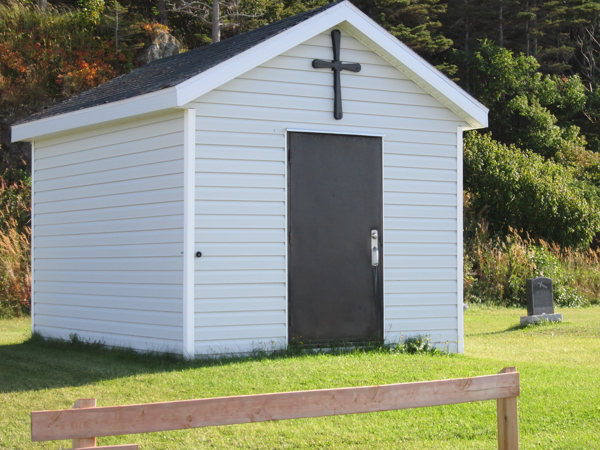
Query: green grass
[559, 404]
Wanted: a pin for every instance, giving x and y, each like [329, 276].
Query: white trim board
[345, 15]
[459, 240]
[189, 228]
[32, 236]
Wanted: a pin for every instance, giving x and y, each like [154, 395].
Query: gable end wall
[240, 281]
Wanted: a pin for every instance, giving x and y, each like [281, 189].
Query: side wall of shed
[240, 280]
[108, 234]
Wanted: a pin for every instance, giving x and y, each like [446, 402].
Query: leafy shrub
[527, 108]
[49, 56]
[519, 189]
[417, 344]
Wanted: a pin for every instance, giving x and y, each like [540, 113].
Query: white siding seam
[189, 202]
[106, 130]
[459, 238]
[32, 235]
[382, 232]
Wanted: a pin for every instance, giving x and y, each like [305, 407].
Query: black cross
[337, 66]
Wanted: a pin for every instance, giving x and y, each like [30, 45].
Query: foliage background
[532, 179]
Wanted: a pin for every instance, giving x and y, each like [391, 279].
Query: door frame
[286, 205]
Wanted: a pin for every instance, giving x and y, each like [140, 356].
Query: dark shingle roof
[170, 71]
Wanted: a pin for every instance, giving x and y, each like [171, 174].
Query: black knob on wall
[198, 254]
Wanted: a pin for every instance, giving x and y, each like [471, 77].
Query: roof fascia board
[204, 82]
[143, 104]
[418, 65]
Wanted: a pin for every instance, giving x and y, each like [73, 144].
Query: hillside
[532, 180]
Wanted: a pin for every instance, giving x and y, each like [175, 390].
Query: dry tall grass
[15, 248]
[15, 270]
[496, 269]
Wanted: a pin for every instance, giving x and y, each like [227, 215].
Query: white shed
[255, 192]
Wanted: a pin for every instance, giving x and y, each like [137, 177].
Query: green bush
[519, 189]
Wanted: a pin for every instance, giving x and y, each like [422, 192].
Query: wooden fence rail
[86, 422]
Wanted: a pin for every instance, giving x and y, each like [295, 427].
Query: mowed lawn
[559, 405]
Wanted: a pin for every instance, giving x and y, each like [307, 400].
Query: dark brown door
[334, 205]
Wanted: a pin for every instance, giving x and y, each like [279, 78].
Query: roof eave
[427, 76]
[448, 92]
[97, 115]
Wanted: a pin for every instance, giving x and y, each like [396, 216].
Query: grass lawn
[559, 405]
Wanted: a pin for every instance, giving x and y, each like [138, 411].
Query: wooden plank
[508, 419]
[85, 442]
[118, 420]
[113, 447]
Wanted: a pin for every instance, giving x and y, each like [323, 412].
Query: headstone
[539, 296]
[540, 302]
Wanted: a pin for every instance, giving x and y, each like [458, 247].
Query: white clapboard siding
[114, 339]
[110, 226]
[101, 178]
[111, 326]
[110, 239]
[114, 188]
[108, 234]
[241, 197]
[210, 305]
[317, 91]
[160, 277]
[115, 200]
[89, 167]
[250, 180]
[407, 114]
[240, 235]
[114, 302]
[227, 263]
[160, 318]
[217, 319]
[152, 249]
[123, 151]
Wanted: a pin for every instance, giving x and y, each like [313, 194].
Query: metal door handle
[374, 248]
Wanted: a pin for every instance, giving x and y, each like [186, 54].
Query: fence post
[85, 442]
[508, 420]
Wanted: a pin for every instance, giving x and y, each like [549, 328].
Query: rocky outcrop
[164, 44]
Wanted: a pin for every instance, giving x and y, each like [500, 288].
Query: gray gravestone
[539, 296]
[540, 302]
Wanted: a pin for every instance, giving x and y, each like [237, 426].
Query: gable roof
[178, 79]
[173, 70]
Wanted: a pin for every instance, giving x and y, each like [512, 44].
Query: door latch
[374, 248]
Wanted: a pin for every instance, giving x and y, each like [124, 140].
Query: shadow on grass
[40, 363]
[541, 325]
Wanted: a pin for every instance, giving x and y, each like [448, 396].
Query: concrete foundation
[526, 320]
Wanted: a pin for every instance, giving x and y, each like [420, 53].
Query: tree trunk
[501, 30]
[117, 27]
[527, 32]
[162, 13]
[466, 2]
[535, 37]
[43, 4]
[216, 22]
